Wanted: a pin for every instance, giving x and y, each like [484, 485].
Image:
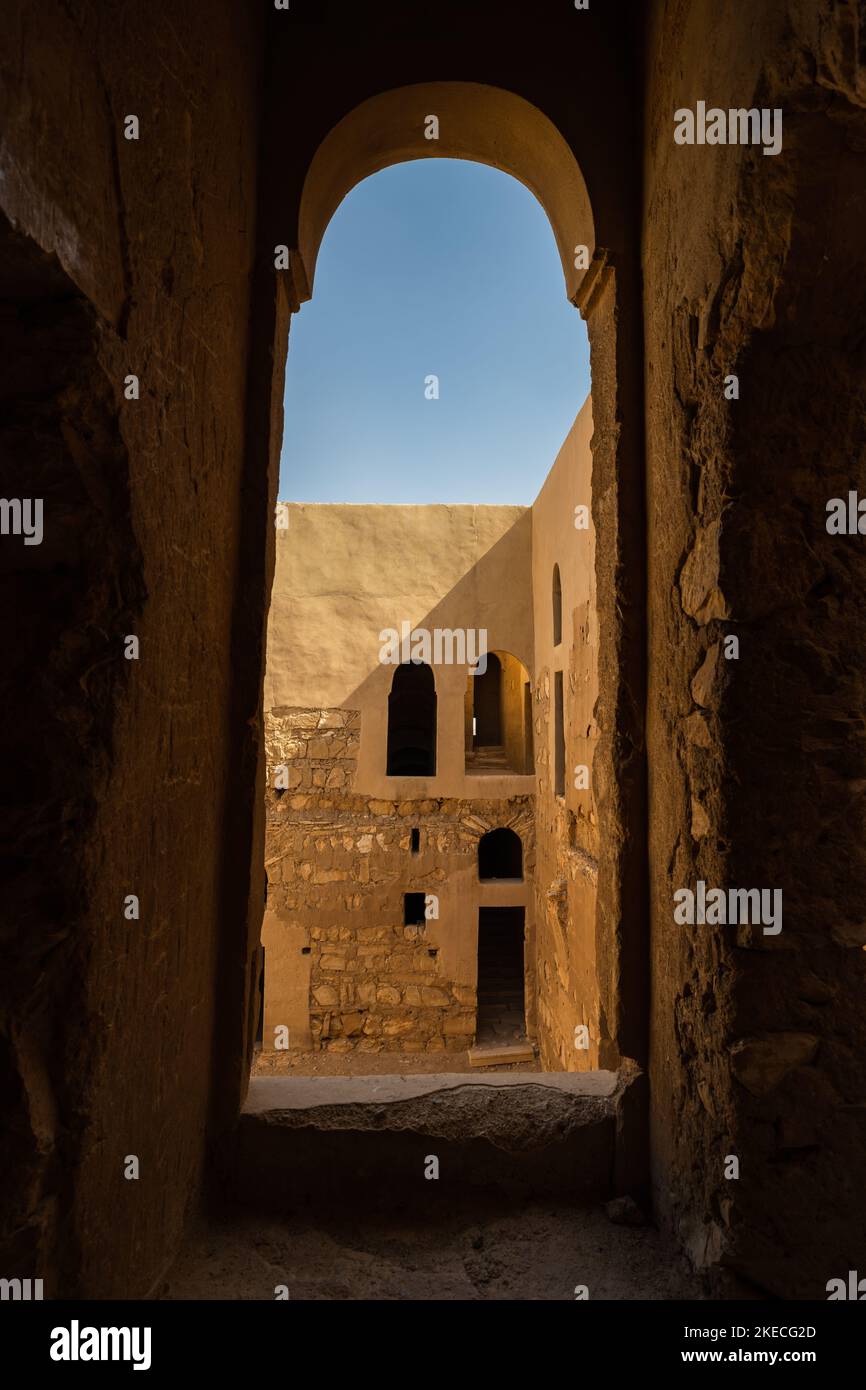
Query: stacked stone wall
[339, 864]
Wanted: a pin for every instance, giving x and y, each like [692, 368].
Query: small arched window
[557, 607]
[500, 854]
[412, 722]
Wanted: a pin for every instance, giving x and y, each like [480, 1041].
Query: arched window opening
[498, 730]
[412, 722]
[500, 854]
[557, 607]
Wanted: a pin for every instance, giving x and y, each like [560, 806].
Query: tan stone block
[332, 962]
[412, 996]
[371, 960]
[341, 1045]
[704, 681]
[351, 1023]
[697, 730]
[459, 1025]
[331, 718]
[325, 994]
[372, 1025]
[387, 994]
[366, 992]
[700, 820]
[322, 875]
[397, 1027]
[464, 994]
[306, 719]
[435, 1045]
[381, 808]
[435, 998]
[401, 960]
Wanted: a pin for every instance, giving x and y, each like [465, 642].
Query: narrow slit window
[559, 736]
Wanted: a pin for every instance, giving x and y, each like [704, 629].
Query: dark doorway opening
[500, 854]
[260, 1021]
[488, 704]
[412, 722]
[501, 1014]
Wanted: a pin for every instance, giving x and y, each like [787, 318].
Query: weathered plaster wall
[347, 573]
[566, 827]
[755, 265]
[124, 257]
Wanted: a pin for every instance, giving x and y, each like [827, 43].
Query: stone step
[313, 1141]
[500, 1054]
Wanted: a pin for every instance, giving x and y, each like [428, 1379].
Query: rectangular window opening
[559, 736]
[413, 909]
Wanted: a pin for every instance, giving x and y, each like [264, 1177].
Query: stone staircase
[487, 758]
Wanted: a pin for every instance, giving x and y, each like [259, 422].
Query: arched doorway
[499, 716]
[500, 128]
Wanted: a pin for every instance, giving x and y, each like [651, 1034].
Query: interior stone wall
[757, 762]
[120, 257]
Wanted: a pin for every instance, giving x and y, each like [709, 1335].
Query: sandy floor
[536, 1251]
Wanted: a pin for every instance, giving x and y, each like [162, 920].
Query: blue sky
[441, 267]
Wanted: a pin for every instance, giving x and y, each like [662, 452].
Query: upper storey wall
[346, 574]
